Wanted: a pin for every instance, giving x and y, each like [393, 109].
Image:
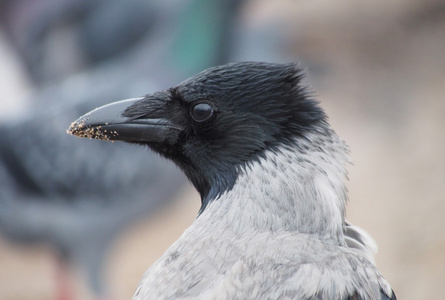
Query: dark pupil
[201, 112]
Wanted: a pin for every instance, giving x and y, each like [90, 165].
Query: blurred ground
[378, 68]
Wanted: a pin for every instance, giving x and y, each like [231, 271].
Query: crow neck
[299, 188]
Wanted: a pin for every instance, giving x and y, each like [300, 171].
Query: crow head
[214, 123]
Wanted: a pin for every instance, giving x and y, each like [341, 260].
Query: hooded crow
[271, 175]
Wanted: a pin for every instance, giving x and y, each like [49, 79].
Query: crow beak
[109, 123]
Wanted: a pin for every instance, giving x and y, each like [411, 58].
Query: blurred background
[84, 219]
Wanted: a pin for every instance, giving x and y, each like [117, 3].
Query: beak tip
[74, 128]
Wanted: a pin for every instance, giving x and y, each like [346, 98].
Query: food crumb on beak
[79, 129]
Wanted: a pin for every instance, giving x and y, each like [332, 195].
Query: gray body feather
[247, 245]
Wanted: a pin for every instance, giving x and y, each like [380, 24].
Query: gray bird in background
[271, 174]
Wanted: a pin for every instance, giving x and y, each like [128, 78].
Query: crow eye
[201, 112]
